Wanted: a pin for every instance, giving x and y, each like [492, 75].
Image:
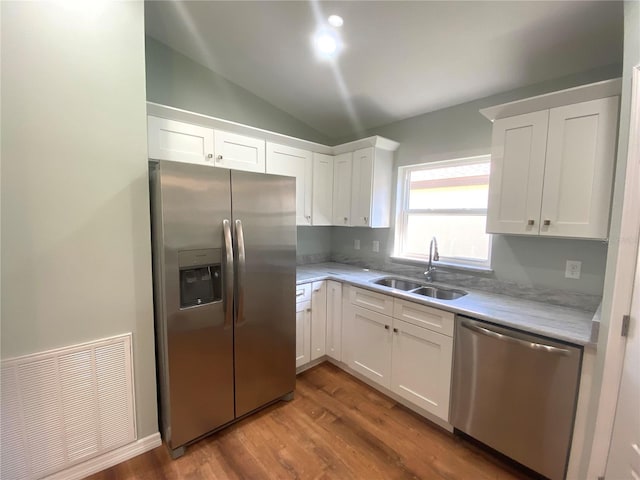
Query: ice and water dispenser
[200, 277]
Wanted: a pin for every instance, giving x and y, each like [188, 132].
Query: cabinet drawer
[423, 316]
[376, 302]
[303, 292]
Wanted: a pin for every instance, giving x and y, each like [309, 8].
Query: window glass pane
[461, 186]
[457, 235]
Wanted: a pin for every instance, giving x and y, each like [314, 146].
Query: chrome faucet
[433, 257]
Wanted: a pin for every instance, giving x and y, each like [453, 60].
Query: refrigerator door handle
[228, 274]
[240, 272]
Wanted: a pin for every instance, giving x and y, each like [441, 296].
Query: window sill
[445, 265]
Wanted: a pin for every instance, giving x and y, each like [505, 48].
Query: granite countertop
[555, 322]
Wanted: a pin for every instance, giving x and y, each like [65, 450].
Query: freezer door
[265, 234]
[196, 339]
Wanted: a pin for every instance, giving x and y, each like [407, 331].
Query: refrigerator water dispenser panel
[200, 277]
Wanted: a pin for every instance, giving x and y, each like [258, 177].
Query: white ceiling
[400, 59]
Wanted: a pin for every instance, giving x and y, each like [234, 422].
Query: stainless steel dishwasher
[516, 393]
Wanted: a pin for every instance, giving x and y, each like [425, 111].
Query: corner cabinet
[294, 162]
[552, 171]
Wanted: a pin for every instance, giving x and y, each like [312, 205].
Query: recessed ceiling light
[335, 20]
[327, 43]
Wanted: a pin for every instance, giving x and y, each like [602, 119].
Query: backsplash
[581, 301]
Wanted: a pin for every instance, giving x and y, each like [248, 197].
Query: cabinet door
[318, 319]
[361, 187]
[518, 147]
[293, 162]
[579, 169]
[303, 333]
[322, 196]
[334, 320]
[342, 171]
[370, 345]
[178, 141]
[239, 152]
[421, 372]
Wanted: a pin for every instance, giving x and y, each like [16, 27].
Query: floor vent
[64, 406]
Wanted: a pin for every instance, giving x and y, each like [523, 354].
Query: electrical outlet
[356, 244]
[572, 269]
[376, 246]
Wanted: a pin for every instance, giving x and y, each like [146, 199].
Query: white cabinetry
[303, 333]
[552, 171]
[294, 162]
[334, 320]
[184, 142]
[342, 166]
[371, 187]
[239, 152]
[410, 353]
[318, 319]
[322, 197]
[179, 142]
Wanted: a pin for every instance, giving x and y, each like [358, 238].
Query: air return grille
[64, 406]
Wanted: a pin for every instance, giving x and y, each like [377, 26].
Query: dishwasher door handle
[506, 338]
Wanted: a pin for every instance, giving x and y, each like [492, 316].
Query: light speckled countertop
[559, 323]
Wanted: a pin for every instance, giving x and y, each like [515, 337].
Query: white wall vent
[64, 406]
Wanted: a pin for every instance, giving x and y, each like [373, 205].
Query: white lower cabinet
[370, 345]
[303, 333]
[412, 356]
[318, 319]
[334, 320]
[421, 367]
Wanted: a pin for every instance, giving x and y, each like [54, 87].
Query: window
[446, 200]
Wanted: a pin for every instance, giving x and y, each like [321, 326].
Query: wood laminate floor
[336, 427]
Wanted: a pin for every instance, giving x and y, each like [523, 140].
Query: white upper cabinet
[371, 188]
[239, 152]
[552, 171]
[180, 142]
[342, 167]
[322, 196]
[294, 162]
[578, 174]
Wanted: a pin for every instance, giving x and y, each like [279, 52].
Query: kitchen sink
[399, 283]
[440, 293]
[418, 288]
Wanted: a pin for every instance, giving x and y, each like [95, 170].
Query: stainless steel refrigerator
[224, 247]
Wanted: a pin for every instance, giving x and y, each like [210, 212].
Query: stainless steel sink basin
[399, 283]
[440, 293]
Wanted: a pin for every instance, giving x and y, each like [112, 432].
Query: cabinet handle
[530, 222]
[547, 223]
[345, 219]
[386, 327]
[395, 330]
[308, 309]
[210, 155]
[299, 293]
[219, 157]
[316, 291]
[365, 220]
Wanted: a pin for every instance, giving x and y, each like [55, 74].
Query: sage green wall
[175, 80]
[461, 131]
[631, 60]
[314, 241]
[76, 257]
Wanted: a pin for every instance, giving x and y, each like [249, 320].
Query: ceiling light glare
[335, 21]
[327, 43]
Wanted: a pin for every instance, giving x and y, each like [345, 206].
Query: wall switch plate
[376, 246]
[572, 269]
[356, 244]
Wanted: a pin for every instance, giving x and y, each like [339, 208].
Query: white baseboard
[109, 459]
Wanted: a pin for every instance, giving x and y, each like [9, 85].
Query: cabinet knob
[547, 223]
[219, 157]
[308, 309]
[386, 327]
[530, 222]
[210, 155]
[345, 219]
[395, 330]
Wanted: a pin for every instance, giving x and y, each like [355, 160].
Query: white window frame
[403, 211]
